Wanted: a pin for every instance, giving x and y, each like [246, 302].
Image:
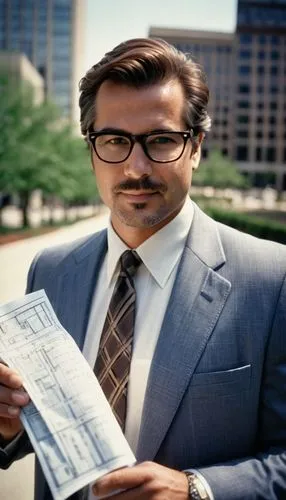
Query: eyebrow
[119, 131]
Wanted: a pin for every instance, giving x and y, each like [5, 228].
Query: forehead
[139, 110]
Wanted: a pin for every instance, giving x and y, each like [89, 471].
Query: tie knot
[130, 261]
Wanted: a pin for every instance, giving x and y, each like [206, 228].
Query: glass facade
[261, 92]
[261, 14]
[42, 30]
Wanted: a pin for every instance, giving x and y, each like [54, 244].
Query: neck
[132, 236]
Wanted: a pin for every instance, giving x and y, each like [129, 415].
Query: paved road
[17, 482]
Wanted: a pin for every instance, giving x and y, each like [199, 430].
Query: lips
[138, 196]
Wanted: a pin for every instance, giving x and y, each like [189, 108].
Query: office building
[50, 34]
[18, 68]
[246, 73]
[215, 52]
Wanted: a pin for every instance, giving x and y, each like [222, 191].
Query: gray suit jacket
[216, 394]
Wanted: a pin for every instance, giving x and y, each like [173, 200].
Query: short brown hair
[142, 62]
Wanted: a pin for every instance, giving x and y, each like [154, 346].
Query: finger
[17, 397]
[122, 479]
[8, 411]
[137, 493]
[10, 377]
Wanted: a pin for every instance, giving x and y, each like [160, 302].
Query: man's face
[142, 195]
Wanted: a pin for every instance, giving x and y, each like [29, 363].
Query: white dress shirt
[153, 281]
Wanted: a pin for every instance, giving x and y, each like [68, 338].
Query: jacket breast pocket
[221, 383]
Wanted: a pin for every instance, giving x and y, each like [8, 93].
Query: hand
[146, 481]
[12, 398]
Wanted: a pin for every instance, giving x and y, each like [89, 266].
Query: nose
[138, 164]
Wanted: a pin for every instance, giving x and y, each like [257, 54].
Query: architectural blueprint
[69, 421]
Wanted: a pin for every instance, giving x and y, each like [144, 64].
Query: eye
[164, 140]
[118, 140]
[112, 140]
[161, 139]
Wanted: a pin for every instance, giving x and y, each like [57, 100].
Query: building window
[270, 154]
[245, 54]
[273, 105]
[243, 104]
[260, 105]
[272, 120]
[243, 89]
[242, 153]
[259, 119]
[274, 55]
[260, 70]
[245, 38]
[258, 154]
[244, 70]
[274, 70]
[259, 134]
[242, 133]
[275, 40]
[260, 89]
[242, 119]
[272, 134]
[261, 55]
[262, 39]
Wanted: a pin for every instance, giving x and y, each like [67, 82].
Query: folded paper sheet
[69, 421]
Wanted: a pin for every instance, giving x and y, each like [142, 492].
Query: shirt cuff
[6, 445]
[203, 481]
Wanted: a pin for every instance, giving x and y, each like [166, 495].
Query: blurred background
[47, 191]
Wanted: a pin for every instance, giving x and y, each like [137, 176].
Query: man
[206, 389]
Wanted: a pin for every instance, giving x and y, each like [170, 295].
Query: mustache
[144, 184]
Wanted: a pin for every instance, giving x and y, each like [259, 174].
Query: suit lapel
[77, 285]
[197, 299]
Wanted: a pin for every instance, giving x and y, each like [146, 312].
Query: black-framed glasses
[160, 147]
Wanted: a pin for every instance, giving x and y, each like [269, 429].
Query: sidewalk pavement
[18, 481]
[15, 258]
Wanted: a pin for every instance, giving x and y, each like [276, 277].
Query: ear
[197, 150]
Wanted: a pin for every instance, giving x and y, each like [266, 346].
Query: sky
[109, 22]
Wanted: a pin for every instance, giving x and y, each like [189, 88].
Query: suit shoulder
[247, 240]
[260, 257]
[78, 249]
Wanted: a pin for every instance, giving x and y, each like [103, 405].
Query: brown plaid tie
[112, 365]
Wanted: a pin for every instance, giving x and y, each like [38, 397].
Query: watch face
[200, 488]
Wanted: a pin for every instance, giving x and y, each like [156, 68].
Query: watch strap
[196, 490]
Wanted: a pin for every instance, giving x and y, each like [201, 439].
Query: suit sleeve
[262, 476]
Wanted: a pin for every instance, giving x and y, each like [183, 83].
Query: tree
[25, 139]
[219, 171]
[39, 151]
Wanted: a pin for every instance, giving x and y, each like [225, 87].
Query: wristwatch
[197, 490]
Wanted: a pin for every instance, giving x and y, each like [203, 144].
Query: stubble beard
[137, 218]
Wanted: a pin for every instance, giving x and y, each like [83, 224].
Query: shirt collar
[159, 253]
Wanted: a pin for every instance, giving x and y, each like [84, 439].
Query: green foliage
[261, 228]
[39, 151]
[220, 172]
